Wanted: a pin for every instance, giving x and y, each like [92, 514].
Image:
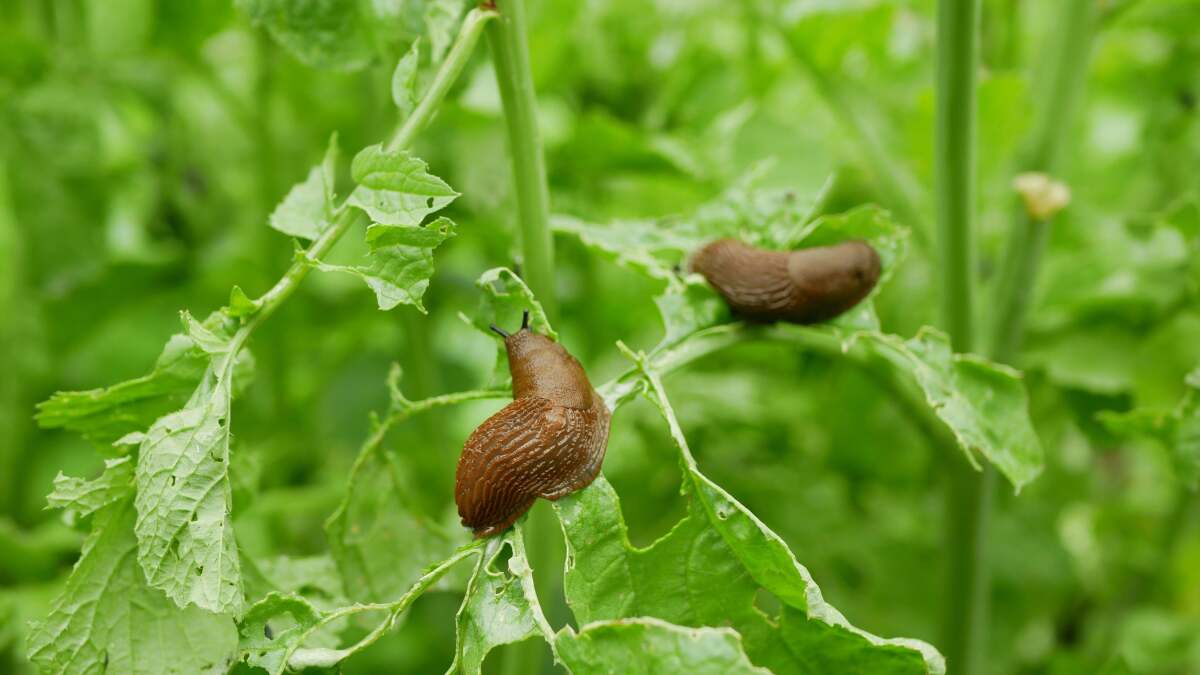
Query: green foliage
[768, 500]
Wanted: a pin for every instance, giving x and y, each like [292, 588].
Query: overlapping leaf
[397, 193]
[185, 533]
[708, 570]
[108, 620]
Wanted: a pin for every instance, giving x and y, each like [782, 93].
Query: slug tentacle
[549, 442]
[805, 286]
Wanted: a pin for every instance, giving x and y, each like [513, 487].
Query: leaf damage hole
[768, 604]
[724, 510]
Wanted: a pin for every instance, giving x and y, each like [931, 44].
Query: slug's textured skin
[805, 286]
[549, 442]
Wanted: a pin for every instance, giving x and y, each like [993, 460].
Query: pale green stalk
[968, 493]
[510, 57]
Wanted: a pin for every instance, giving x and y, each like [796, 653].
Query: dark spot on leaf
[270, 634]
[199, 570]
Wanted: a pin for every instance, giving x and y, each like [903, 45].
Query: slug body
[549, 442]
[804, 286]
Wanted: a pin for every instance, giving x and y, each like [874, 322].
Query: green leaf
[772, 219]
[503, 300]
[81, 498]
[287, 631]
[396, 271]
[397, 171]
[688, 310]
[274, 627]
[321, 33]
[379, 540]
[184, 497]
[306, 210]
[104, 415]
[108, 620]
[652, 646]
[404, 80]
[441, 21]
[708, 571]
[500, 606]
[240, 304]
[1178, 429]
[984, 404]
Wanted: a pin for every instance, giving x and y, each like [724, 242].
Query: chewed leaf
[184, 498]
[81, 498]
[648, 645]
[106, 619]
[717, 558]
[395, 188]
[273, 627]
[500, 606]
[503, 298]
[687, 310]
[983, 403]
[397, 171]
[104, 415]
[400, 262]
[771, 219]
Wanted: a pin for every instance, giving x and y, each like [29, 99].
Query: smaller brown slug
[805, 286]
[549, 442]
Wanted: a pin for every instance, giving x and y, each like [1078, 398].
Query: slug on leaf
[549, 442]
[805, 286]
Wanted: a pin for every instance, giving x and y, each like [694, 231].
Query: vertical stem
[13, 416]
[1058, 94]
[510, 57]
[968, 494]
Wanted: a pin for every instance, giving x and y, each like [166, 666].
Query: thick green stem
[968, 493]
[510, 57]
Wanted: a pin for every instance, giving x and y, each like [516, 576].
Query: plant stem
[510, 56]
[968, 493]
[1059, 94]
[456, 59]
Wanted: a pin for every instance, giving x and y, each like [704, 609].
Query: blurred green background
[144, 142]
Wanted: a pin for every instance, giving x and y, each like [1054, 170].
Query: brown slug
[549, 442]
[804, 286]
